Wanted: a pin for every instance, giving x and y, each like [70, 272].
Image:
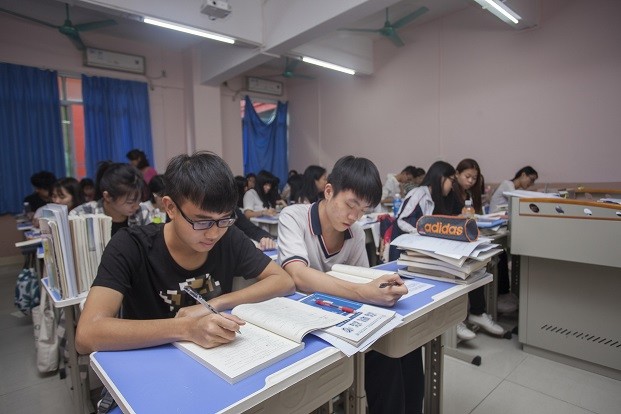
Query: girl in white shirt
[257, 201]
[523, 179]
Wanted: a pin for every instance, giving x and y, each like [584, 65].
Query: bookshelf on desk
[79, 387]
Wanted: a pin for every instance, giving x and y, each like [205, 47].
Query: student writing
[144, 268]
[313, 237]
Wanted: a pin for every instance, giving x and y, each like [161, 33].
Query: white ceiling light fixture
[499, 10]
[189, 30]
[328, 65]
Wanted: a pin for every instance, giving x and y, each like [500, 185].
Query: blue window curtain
[265, 145]
[30, 131]
[116, 120]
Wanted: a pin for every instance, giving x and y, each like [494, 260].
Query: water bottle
[396, 204]
[155, 216]
[468, 210]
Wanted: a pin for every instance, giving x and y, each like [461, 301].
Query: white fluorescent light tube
[500, 10]
[328, 65]
[189, 30]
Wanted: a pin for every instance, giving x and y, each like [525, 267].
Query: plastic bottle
[396, 204]
[468, 210]
[27, 208]
[156, 217]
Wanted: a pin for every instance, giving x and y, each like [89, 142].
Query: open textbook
[274, 330]
[364, 325]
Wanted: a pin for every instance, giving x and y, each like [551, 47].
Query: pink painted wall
[467, 85]
[31, 44]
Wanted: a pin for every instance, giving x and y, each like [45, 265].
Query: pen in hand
[386, 284]
[197, 297]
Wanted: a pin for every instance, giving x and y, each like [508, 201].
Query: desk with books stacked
[302, 381]
[298, 383]
[72, 248]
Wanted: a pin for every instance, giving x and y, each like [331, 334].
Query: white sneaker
[463, 333]
[507, 303]
[486, 322]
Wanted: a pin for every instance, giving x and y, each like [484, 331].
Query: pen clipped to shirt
[197, 297]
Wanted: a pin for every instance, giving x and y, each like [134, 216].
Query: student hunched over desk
[143, 267]
[311, 238]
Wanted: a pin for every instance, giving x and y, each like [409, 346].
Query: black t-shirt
[35, 201]
[137, 263]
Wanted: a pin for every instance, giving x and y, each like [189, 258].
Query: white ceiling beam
[221, 62]
[275, 27]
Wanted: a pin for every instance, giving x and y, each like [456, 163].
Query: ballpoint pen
[197, 297]
[386, 284]
[332, 305]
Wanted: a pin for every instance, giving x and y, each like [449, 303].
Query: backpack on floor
[27, 293]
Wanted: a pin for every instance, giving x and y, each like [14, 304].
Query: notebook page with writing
[287, 317]
[250, 352]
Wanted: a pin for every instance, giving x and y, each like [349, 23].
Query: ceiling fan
[67, 28]
[289, 70]
[389, 29]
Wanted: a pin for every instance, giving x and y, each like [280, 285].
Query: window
[72, 117]
[266, 109]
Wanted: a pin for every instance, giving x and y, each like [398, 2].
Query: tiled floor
[508, 381]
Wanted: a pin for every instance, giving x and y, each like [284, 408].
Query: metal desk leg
[450, 348]
[515, 274]
[74, 369]
[433, 376]
[80, 388]
[356, 395]
[491, 290]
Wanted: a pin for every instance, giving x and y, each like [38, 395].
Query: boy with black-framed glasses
[145, 268]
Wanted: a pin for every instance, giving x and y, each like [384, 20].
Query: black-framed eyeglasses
[207, 224]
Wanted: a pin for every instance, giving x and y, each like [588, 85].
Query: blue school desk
[267, 223]
[164, 379]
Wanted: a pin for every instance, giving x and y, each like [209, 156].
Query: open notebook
[274, 330]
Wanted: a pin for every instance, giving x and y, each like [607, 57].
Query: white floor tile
[593, 392]
[19, 370]
[18, 338]
[499, 356]
[48, 397]
[510, 398]
[465, 386]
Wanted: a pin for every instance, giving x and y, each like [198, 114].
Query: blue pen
[197, 297]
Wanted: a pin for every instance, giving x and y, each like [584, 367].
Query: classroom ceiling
[282, 34]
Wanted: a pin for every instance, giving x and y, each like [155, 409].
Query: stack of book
[442, 259]
[72, 248]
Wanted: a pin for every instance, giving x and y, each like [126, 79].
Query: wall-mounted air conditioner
[100, 58]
